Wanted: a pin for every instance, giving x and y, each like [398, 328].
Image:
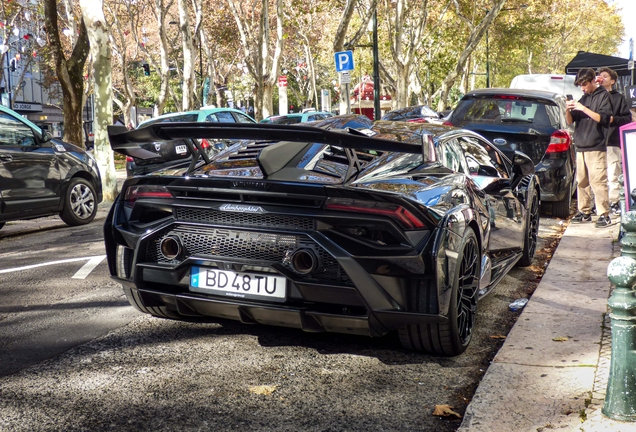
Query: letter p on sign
[344, 61]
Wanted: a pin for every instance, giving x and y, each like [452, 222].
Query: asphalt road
[76, 357]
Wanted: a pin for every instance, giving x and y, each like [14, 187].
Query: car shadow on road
[387, 349]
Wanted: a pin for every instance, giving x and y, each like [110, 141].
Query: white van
[563, 84]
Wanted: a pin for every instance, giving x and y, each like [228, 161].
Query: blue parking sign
[344, 61]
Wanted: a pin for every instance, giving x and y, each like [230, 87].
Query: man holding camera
[591, 115]
[620, 116]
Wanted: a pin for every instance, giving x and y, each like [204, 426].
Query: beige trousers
[591, 170]
[614, 169]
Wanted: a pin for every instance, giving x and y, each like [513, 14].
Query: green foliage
[540, 38]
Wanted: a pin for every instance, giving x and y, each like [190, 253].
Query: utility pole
[376, 68]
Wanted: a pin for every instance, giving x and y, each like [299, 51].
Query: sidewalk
[551, 373]
[20, 227]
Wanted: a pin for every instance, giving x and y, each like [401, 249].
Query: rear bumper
[362, 294]
[555, 182]
[375, 323]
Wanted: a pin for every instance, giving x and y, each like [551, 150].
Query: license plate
[181, 149]
[256, 286]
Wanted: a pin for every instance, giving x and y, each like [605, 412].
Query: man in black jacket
[620, 116]
[592, 116]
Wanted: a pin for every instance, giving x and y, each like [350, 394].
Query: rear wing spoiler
[291, 140]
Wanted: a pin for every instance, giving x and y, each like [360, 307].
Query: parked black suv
[532, 122]
[43, 176]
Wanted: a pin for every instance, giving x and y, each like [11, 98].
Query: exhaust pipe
[304, 261]
[171, 248]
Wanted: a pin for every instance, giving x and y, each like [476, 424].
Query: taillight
[559, 142]
[204, 143]
[134, 193]
[398, 213]
[447, 123]
[417, 120]
[129, 159]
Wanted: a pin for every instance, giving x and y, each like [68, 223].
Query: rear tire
[452, 337]
[80, 206]
[532, 229]
[562, 209]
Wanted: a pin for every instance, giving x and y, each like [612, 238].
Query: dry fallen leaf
[560, 339]
[263, 390]
[497, 337]
[445, 411]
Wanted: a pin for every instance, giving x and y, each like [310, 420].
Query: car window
[242, 118]
[286, 120]
[450, 154]
[225, 117]
[555, 115]
[313, 117]
[212, 118]
[482, 159]
[15, 133]
[508, 109]
[172, 119]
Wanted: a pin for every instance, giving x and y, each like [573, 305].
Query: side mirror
[522, 164]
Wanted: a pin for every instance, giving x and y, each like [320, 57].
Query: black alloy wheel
[532, 230]
[467, 288]
[452, 337]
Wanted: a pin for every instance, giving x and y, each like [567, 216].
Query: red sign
[282, 81]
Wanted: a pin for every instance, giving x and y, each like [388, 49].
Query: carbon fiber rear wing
[291, 140]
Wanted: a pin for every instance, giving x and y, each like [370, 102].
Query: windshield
[507, 109]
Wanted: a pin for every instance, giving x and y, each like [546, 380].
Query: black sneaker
[615, 209]
[582, 217]
[603, 221]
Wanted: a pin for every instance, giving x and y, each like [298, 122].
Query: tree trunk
[93, 16]
[160, 12]
[338, 45]
[402, 86]
[128, 90]
[476, 33]
[188, 57]
[70, 73]
[268, 100]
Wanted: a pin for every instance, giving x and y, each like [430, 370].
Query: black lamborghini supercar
[403, 226]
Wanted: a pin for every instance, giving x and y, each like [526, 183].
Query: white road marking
[17, 269]
[88, 267]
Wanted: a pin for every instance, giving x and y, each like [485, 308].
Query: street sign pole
[631, 58]
[344, 64]
[345, 79]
